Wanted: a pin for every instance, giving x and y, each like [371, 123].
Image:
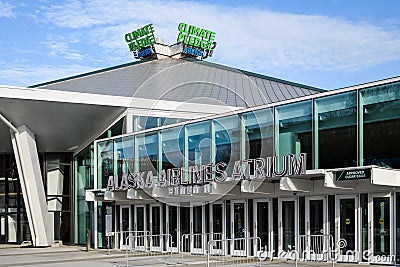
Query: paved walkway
[77, 257]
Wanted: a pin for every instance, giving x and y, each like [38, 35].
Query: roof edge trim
[91, 73]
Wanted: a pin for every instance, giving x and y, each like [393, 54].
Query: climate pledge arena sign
[196, 41]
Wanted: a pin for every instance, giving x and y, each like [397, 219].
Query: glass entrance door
[261, 226]
[217, 222]
[197, 238]
[316, 217]
[140, 227]
[381, 228]
[288, 224]
[125, 225]
[239, 228]
[185, 228]
[172, 222]
[346, 211]
[155, 227]
[317, 241]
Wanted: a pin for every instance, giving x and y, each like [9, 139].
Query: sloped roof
[184, 81]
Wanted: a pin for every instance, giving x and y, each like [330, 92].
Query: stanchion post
[88, 239]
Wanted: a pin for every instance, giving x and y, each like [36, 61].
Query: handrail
[193, 237]
[231, 242]
[147, 245]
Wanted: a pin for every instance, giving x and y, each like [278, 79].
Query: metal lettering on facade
[194, 176]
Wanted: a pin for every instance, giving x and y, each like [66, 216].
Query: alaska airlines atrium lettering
[259, 168]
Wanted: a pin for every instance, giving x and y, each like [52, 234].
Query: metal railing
[115, 239]
[315, 248]
[234, 252]
[197, 243]
[148, 246]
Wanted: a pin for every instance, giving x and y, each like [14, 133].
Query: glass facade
[349, 129]
[148, 122]
[380, 126]
[336, 127]
[147, 153]
[57, 176]
[84, 180]
[198, 148]
[258, 133]
[294, 130]
[338, 130]
[227, 141]
[14, 227]
[172, 148]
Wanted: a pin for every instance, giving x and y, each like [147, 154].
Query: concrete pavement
[74, 256]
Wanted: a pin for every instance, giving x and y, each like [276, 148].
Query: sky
[327, 44]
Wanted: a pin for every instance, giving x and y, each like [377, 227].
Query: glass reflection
[105, 154]
[337, 128]
[294, 135]
[172, 148]
[199, 143]
[381, 125]
[147, 152]
[259, 129]
[227, 141]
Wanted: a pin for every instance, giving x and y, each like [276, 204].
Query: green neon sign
[195, 36]
[140, 38]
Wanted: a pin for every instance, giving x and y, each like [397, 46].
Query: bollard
[87, 239]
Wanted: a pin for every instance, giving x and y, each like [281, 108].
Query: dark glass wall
[380, 125]
[227, 141]
[14, 226]
[259, 132]
[57, 177]
[84, 180]
[294, 130]
[198, 143]
[336, 131]
[147, 153]
[172, 148]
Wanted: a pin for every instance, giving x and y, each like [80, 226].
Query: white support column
[26, 155]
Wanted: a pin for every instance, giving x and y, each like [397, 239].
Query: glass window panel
[199, 143]
[381, 127]
[227, 141]
[83, 181]
[294, 135]
[145, 122]
[337, 130]
[258, 133]
[169, 121]
[125, 151]
[105, 154]
[147, 152]
[13, 194]
[172, 148]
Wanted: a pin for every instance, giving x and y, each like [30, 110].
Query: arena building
[188, 151]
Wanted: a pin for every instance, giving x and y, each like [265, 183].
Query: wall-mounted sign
[197, 42]
[139, 41]
[354, 174]
[259, 168]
